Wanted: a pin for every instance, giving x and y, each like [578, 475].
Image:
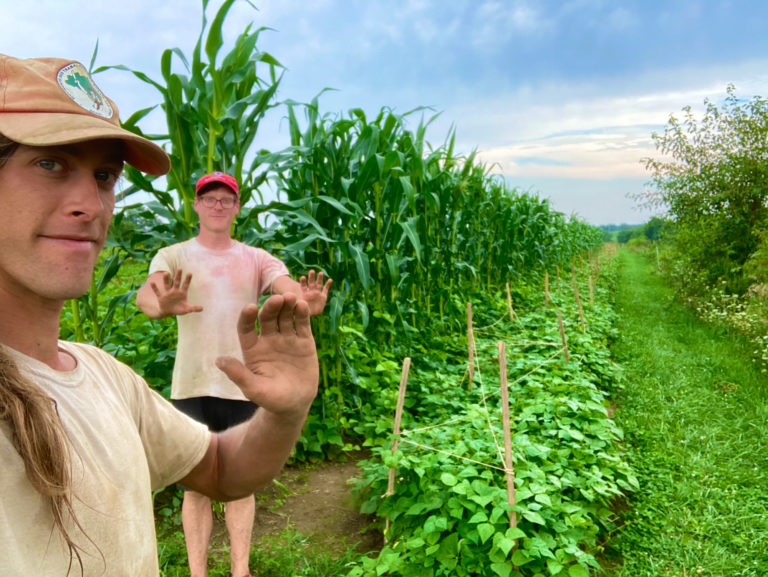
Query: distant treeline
[624, 233]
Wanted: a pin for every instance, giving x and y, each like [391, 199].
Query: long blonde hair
[37, 432]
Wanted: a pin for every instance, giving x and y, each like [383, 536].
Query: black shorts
[218, 414]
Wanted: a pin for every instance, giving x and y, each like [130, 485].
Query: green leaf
[485, 530]
[534, 517]
[519, 558]
[501, 569]
[554, 566]
[479, 517]
[448, 479]
[577, 571]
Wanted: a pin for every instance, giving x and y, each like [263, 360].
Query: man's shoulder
[253, 250]
[179, 245]
[175, 249]
[88, 352]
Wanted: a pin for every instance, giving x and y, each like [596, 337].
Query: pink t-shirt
[223, 282]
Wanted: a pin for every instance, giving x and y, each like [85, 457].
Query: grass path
[694, 409]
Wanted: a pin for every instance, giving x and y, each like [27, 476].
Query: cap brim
[53, 129]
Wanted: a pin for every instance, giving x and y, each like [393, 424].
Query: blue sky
[561, 97]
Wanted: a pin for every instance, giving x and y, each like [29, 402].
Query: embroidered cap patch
[77, 83]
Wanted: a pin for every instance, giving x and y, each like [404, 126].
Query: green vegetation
[448, 512]
[693, 408]
[713, 181]
[408, 231]
[411, 233]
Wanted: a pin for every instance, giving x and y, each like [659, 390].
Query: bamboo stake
[509, 304]
[546, 289]
[581, 311]
[509, 467]
[396, 431]
[470, 345]
[591, 292]
[573, 271]
[562, 336]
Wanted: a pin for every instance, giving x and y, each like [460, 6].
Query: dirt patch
[315, 502]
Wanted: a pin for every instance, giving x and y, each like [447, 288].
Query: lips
[73, 241]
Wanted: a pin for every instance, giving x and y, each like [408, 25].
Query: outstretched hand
[315, 292]
[172, 295]
[280, 370]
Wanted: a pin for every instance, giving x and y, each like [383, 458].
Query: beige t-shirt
[223, 282]
[126, 442]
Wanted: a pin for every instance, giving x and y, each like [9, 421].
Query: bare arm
[309, 288]
[162, 296]
[280, 374]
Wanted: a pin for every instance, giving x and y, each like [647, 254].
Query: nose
[86, 200]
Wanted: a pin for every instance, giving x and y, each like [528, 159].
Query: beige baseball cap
[53, 101]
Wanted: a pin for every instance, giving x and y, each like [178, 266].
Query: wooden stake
[396, 431]
[591, 292]
[546, 289]
[573, 271]
[509, 467]
[578, 303]
[509, 305]
[470, 345]
[562, 336]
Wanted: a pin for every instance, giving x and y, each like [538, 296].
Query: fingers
[314, 280]
[327, 286]
[234, 369]
[179, 282]
[187, 281]
[276, 316]
[246, 326]
[285, 317]
[301, 321]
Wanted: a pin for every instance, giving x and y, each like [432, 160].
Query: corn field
[409, 231]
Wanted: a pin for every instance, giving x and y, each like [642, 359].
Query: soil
[315, 502]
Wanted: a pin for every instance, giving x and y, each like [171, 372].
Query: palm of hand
[315, 292]
[172, 294]
[281, 360]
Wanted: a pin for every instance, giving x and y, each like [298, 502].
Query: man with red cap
[83, 440]
[204, 282]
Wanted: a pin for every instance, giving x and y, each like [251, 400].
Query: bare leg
[197, 520]
[239, 517]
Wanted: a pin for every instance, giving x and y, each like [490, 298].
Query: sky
[560, 98]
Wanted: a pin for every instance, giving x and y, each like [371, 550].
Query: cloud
[495, 23]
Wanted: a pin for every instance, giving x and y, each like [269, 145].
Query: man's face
[57, 204]
[217, 217]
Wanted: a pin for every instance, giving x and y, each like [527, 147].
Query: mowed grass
[694, 409]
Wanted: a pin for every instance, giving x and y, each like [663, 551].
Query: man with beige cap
[83, 439]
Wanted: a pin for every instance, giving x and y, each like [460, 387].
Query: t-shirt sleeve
[173, 442]
[270, 268]
[161, 262]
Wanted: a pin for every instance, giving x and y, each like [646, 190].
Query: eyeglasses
[210, 201]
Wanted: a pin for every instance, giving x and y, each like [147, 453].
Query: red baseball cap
[220, 178]
[53, 101]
